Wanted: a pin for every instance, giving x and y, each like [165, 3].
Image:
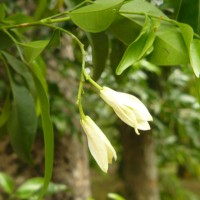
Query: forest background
[163, 72]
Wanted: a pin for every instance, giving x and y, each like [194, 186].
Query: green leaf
[6, 42]
[195, 56]
[47, 128]
[33, 49]
[140, 6]
[187, 33]
[6, 183]
[100, 47]
[115, 196]
[21, 69]
[96, 17]
[190, 14]
[22, 123]
[169, 47]
[18, 18]
[128, 31]
[139, 48]
[2, 12]
[5, 111]
[55, 39]
[30, 188]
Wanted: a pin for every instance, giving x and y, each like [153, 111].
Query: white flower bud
[99, 146]
[128, 108]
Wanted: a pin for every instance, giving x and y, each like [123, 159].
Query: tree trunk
[70, 166]
[139, 165]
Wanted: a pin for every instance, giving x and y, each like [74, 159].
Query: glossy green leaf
[140, 6]
[169, 47]
[142, 46]
[100, 47]
[5, 112]
[6, 183]
[33, 49]
[22, 123]
[187, 33]
[46, 126]
[97, 16]
[195, 56]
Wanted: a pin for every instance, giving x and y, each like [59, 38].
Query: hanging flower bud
[128, 108]
[99, 146]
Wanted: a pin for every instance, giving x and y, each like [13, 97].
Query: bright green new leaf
[140, 6]
[6, 183]
[100, 46]
[139, 48]
[22, 123]
[97, 16]
[195, 56]
[33, 49]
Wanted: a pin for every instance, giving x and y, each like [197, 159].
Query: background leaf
[190, 14]
[22, 123]
[6, 42]
[5, 112]
[128, 32]
[96, 17]
[100, 47]
[6, 183]
[2, 12]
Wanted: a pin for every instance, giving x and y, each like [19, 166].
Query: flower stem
[94, 83]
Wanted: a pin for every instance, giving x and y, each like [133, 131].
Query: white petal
[139, 108]
[126, 115]
[143, 125]
[96, 144]
[99, 146]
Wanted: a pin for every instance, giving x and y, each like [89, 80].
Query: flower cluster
[129, 109]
